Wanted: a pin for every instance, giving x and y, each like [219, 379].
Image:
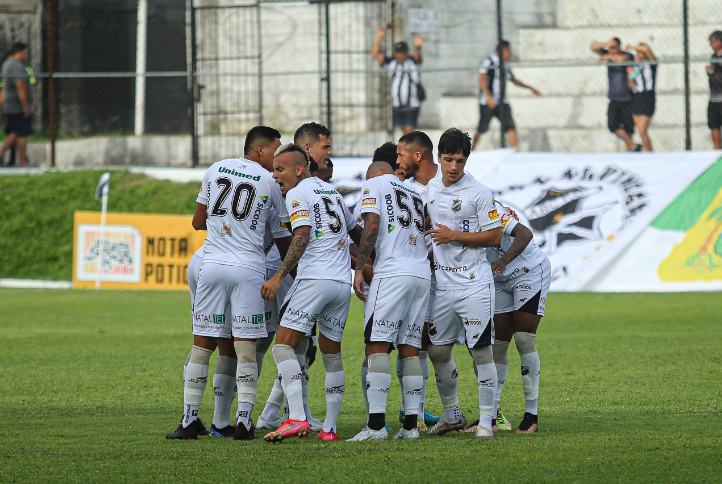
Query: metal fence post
[687, 94]
[502, 74]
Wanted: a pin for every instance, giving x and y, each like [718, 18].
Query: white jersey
[317, 204]
[422, 191]
[466, 206]
[275, 229]
[400, 248]
[530, 257]
[238, 194]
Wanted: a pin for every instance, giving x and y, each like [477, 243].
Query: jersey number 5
[405, 221]
[338, 225]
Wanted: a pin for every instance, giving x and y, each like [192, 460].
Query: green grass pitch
[92, 382]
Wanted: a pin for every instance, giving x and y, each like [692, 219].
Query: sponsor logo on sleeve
[295, 204]
[368, 202]
[299, 215]
[493, 214]
[366, 191]
[505, 220]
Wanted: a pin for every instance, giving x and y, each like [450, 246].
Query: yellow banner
[138, 251]
[699, 256]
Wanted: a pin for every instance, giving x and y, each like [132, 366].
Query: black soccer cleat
[188, 433]
[242, 433]
[529, 424]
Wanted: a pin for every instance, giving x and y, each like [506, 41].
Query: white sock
[379, 381]
[335, 388]
[448, 386]
[274, 402]
[364, 373]
[196, 377]
[304, 385]
[501, 360]
[400, 377]
[530, 370]
[246, 385]
[291, 377]
[487, 389]
[224, 388]
[413, 383]
[424, 361]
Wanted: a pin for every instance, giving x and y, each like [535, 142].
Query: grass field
[630, 392]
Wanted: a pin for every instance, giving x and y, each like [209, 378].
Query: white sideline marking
[35, 284]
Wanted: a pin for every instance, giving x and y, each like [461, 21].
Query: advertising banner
[139, 251]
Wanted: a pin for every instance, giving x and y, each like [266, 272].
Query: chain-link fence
[196, 75]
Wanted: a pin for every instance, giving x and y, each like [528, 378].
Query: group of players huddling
[436, 260]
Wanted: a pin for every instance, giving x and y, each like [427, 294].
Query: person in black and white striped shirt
[642, 81]
[405, 80]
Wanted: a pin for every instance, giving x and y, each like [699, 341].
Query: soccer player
[326, 174]
[522, 275]
[463, 223]
[233, 205]
[320, 293]
[315, 138]
[398, 296]
[415, 157]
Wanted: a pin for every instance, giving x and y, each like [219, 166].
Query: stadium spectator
[464, 222]
[231, 274]
[714, 71]
[320, 292]
[402, 268]
[490, 106]
[17, 103]
[405, 80]
[619, 111]
[642, 81]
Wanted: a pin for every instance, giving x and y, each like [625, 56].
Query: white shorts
[273, 309]
[220, 286]
[317, 301]
[463, 312]
[395, 310]
[526, 292]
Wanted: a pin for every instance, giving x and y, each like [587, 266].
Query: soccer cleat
[327, 436]
[316, 424]
[203, 429]
[501, 421]
[224, 432]
[483, 433]
[242, 433]
[404, 434]
[368, 434]
[529, 424]
[473, 426]
[430, 419]
[269, 425]
[188, 433]
[441, 427]
[289, 428]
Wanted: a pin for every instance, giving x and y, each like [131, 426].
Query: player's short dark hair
[453, 141]
[504, 44]
[260, 134]
[387, 152]
[312, 131]
[618, 41]
[292, 147]
[417, 138]
[329, 164]
[717, 34]
[17, 47]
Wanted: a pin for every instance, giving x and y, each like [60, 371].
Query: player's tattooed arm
[301, 238]
[522, 236]
[368, 238]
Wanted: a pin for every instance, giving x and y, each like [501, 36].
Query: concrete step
[572, 44]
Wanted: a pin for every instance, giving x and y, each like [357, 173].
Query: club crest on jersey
[295, 204]
[226, 229]
[392, 228]
[456, 205]
[263, 198]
